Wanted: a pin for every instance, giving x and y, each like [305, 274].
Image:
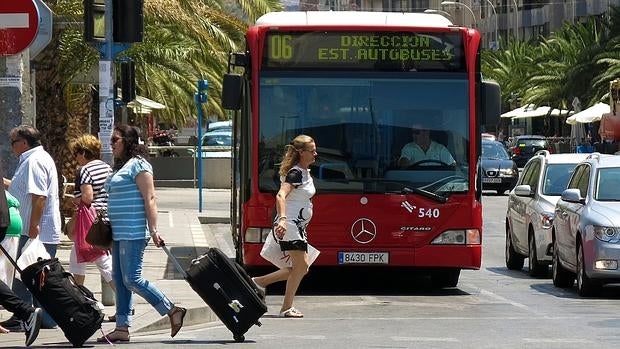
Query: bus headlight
[458, 237]
[257, 235]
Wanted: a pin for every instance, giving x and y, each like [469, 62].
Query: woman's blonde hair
[87, 144]
[293, 149]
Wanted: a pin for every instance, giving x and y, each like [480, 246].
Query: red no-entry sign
[19, 23]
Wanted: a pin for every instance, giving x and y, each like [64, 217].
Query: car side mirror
[572, 195]
[523, 190]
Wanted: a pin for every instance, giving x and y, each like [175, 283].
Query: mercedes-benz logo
[363, 230]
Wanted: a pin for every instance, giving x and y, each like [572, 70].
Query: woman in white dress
[294, 211]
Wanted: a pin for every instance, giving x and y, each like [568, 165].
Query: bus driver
[424, 148]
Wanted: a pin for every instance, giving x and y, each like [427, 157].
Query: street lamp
[494, 14]
[516, 20]
[454, 3]
[443, 13]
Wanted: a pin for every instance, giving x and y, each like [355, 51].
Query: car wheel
[536, 268]
[585, 286]
[514, 261]
[561, 277]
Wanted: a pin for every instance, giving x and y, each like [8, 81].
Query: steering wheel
[417, 164]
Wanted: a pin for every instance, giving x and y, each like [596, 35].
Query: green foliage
[184, 40]
[578, 60]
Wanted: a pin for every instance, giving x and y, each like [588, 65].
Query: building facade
[497, 20]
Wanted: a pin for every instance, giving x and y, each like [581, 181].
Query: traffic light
[128, 81]
[94, 20]
[128, 20]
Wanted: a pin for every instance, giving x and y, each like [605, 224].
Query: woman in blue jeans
[133, 215]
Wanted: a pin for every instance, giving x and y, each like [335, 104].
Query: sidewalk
[180, 227]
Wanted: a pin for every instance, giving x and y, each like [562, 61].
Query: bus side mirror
[491, 108]
[231, 91]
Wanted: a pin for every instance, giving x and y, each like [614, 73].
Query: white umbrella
[519, 111]
[534, 113]
[592, 114]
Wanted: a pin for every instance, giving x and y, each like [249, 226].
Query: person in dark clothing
[30, 315]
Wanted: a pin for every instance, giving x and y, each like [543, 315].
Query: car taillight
[516, 151]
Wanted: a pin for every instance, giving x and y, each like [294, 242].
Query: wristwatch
[153, 232]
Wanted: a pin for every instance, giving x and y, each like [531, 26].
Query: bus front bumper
[429, 256]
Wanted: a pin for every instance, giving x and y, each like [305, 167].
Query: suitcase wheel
[239, 338]
[259, 324]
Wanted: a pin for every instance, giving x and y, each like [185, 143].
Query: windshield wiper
[439, 198]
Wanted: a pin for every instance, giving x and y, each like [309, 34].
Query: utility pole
[111, 26]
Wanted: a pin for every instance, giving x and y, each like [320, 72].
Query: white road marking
[558, 340]
[170, 220]
[292, 336]
[424, 339]
[198, 235]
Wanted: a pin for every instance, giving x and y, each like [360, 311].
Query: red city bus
[357, 82]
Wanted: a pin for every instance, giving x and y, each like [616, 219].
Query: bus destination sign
[390, 51]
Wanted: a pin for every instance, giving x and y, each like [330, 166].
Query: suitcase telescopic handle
[174, 260]
[234, 304]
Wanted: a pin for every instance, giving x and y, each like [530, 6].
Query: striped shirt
[94, 174]
[36, 174]
[125, 202]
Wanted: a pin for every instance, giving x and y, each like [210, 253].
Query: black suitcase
[72, 306]
[226, 288]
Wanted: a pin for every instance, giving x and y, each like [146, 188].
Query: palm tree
[184, 41]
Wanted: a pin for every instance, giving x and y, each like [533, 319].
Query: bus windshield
[361, 121]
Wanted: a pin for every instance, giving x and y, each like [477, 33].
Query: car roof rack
[543, 152]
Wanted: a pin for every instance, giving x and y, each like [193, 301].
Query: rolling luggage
[72, 306]
[226, 288]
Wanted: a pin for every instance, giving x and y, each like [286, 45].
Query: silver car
[586, 228]
[530, 212]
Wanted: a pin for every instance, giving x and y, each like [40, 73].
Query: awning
[531, 111]
[143, 105]
[592, 114]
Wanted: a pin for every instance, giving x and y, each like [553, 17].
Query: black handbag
[100, 233]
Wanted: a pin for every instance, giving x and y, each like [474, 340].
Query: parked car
[218, 142]
[530, 212]
[499, 172]
[524, 147]
[586, 230]
[220, 126]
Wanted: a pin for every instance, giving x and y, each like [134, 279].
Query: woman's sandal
[291, 313]
[118, 335]
[177, 314]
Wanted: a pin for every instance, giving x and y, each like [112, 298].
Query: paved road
[491, 308]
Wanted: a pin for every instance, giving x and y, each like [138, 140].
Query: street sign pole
[200, 97]
[106, 88]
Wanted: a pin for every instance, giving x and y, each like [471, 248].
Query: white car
[531, 206]
[587, 226]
